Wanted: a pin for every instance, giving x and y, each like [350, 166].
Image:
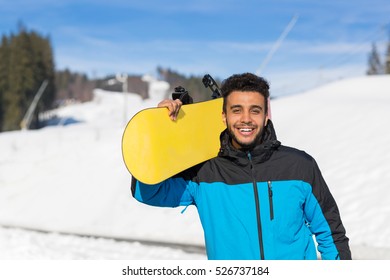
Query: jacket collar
[260, 153]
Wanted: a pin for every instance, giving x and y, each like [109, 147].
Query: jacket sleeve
[324, 218]
[172, 192]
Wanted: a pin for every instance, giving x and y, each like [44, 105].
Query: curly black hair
[245, 82]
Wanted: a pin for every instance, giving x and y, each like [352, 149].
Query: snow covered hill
[72, 178]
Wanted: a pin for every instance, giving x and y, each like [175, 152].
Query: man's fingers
[176, 109]
[173, 107]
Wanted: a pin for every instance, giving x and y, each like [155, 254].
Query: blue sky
[330, 39]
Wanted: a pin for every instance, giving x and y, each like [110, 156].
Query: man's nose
[246, 117]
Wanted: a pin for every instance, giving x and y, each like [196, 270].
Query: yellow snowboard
[155, 148]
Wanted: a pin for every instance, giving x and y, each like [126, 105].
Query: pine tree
[387, 59]
[44, 70]
[29, 62]
[3, 76]
[20, 80]
[374, 63]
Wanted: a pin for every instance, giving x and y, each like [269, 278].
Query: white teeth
[246, 129]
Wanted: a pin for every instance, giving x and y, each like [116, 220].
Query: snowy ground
[72, 178]
[20, 244]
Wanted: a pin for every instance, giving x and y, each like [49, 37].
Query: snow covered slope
[72, 178]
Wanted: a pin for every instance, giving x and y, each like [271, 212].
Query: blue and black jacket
[261, 204]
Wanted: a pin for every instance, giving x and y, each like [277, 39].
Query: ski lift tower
[26, 121]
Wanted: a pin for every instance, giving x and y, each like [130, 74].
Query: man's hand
[173, 107]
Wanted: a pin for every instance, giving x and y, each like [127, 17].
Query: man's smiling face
[245, 118]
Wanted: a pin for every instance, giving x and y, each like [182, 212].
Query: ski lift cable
[277, 44]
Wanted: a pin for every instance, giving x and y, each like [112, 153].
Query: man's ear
[224, 117]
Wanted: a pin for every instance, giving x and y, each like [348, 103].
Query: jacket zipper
[271, 203]
[257, 202]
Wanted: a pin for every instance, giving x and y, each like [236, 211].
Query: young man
[257, 199]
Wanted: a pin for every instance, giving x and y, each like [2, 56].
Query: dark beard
[247, 146]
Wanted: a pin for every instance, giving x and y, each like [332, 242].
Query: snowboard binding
[182, 94]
